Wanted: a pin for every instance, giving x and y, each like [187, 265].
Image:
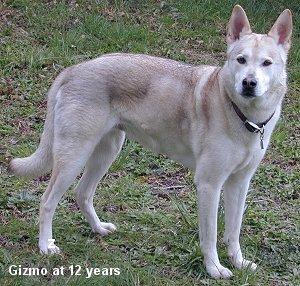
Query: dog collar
[251, 126]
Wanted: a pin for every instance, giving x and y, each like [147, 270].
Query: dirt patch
[202, 58]
[12, 22]
[4, 241]
[164, 184]
[114, 208]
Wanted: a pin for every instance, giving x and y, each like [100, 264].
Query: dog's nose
[249, 82]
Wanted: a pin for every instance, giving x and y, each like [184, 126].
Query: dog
[216, 121]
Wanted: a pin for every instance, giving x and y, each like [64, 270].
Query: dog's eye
[267, 63]
[241, 60]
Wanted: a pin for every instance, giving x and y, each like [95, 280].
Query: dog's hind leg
[102, 157]
[68, 163]
[78, 127]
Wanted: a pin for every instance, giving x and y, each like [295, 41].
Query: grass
[156, 242]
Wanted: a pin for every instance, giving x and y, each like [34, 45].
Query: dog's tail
[41, 161]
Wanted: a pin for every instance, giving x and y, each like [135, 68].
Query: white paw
[105, 228]
[218, 271]
[49, 250]
[109, 226]
[243, 263]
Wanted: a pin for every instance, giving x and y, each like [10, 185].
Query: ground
[150, 198]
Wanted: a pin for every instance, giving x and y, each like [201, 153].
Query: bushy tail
[40, 162]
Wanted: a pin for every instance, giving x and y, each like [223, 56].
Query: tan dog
[214, 120]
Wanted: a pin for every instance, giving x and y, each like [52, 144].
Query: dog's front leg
[209, 182]
[235, 191]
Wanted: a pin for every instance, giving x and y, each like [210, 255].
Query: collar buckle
[255, 127]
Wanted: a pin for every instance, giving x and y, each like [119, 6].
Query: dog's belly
[162, 141]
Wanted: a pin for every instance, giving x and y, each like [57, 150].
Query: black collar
[252, 127]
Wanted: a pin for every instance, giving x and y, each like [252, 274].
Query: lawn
[151, 199]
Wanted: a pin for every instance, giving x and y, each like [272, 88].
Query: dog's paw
[109, 226]
[218, 271]
[243, 263]
[105, 228]
[50, 250]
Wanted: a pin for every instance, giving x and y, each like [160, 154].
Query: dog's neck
[257, 109]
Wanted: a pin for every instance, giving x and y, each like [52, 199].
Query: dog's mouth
[248, 93]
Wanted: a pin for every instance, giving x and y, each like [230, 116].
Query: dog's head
[257, 62]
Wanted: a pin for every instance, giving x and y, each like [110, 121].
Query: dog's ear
[281, 31]
[238, 25]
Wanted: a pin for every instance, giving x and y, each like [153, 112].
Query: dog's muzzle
[249, 84]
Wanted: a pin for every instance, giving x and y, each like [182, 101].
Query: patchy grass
[150, 198]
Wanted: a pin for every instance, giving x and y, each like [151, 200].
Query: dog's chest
[249, 153]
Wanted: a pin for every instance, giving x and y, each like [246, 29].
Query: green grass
[156, 242]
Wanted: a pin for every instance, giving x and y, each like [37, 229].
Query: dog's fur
[179, 110]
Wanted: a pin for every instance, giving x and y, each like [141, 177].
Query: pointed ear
[238, 24]
[281, 31]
